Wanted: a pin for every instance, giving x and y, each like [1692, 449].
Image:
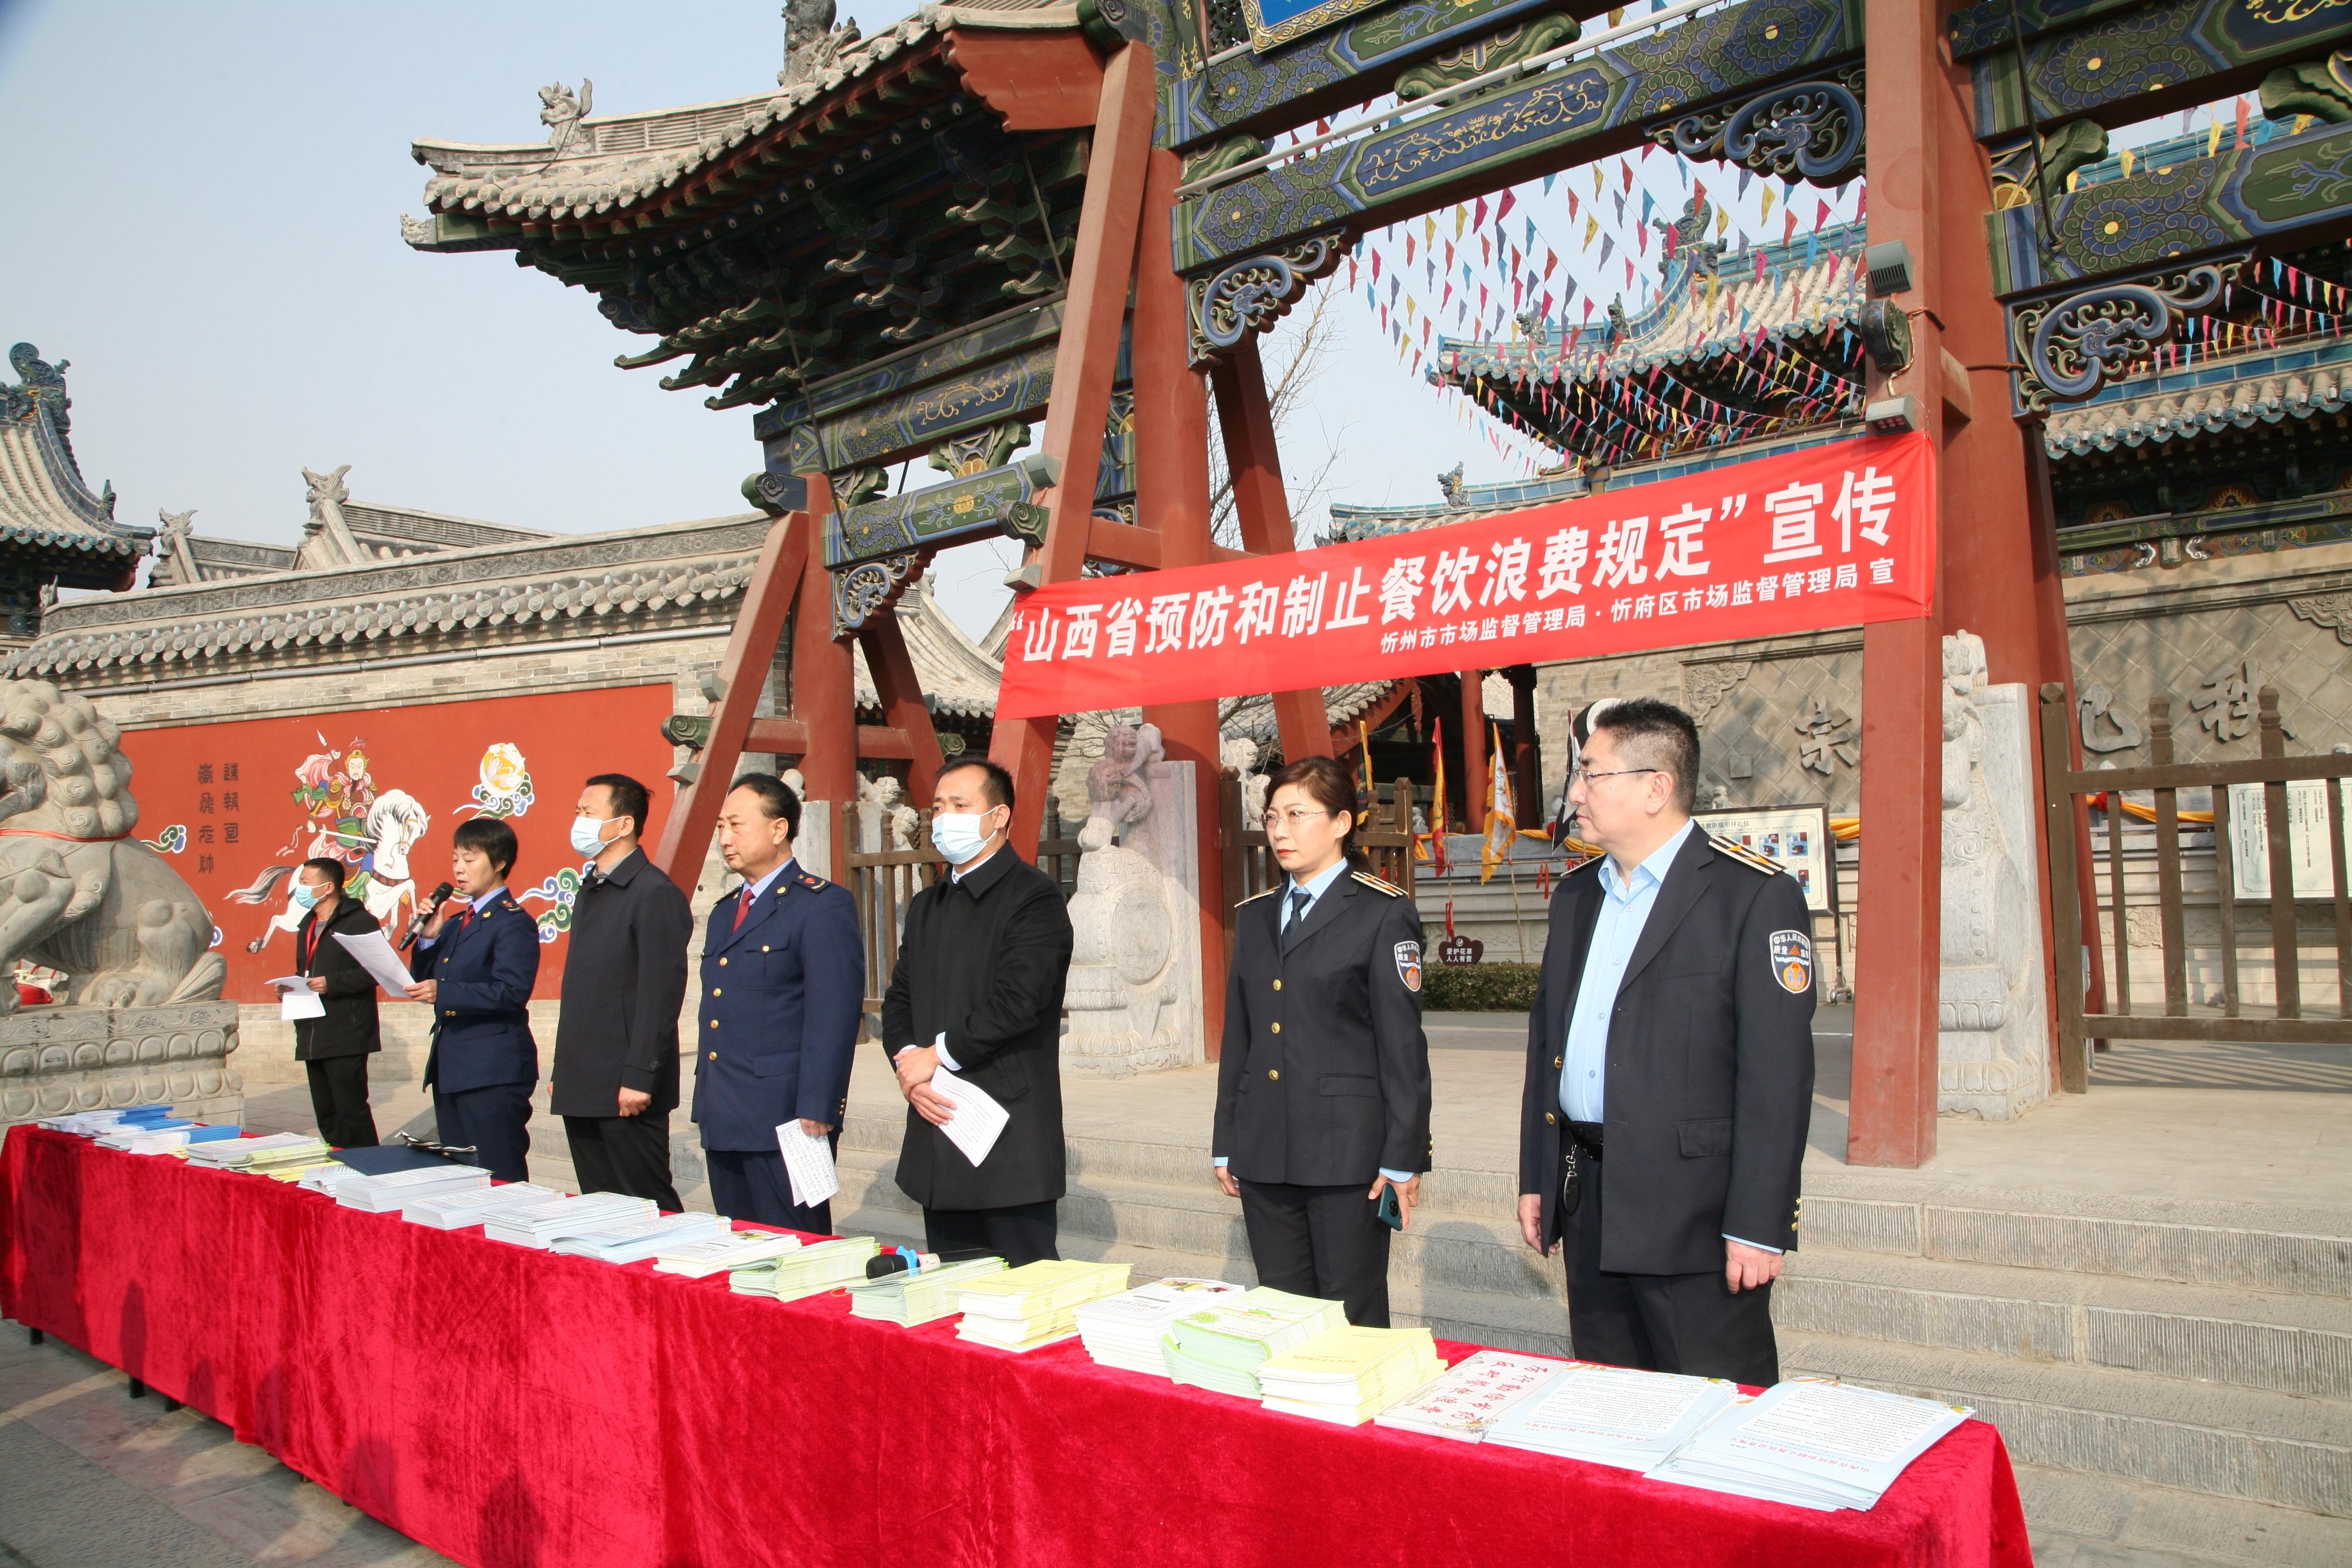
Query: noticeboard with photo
[1796, 838]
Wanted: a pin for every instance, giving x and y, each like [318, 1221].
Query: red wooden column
[1527, 753]
[900, 693]
[824, 684]
[742, 672]
[1263, 508]
[1085, 361]
[1474, 782]
[1897, 958]
[1172, 492]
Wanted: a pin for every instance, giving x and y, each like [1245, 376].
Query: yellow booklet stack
[1034, 1304]
[1350, 1374]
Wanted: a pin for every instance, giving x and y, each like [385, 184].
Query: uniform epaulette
[1732, 849]
[811, 879]
[1368, 879]
[1255, 896]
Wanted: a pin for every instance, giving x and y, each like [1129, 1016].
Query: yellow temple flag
[1596, 179]
[1767, 201]
[1591, 227]
[1461, 219]
[1428, 230]
[1722, 219]
[1501, 818]
[2212, 140]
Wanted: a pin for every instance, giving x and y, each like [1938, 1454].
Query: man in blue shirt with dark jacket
[474, 969]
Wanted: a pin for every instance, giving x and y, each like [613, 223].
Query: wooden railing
[2078, 1028]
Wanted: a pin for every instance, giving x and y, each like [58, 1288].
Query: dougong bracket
[1805, 129]
[2073, 347]
[1250, 296]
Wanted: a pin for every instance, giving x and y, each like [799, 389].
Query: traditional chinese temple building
[55, 530]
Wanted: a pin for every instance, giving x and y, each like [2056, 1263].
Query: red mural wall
[235, 806]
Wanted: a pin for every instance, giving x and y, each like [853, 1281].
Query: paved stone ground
[89, 1476]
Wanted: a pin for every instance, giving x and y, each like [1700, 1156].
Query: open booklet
[1815, 1445]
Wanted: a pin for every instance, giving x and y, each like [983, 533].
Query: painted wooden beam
[1044, 80]
[789, 737]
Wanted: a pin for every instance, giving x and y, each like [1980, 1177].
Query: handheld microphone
[907, 1260]
[424, 912]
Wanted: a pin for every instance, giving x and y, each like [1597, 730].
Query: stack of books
[1021, 1309]
[1222, 1346]
[323, 1176]
[915, 1298]
[91, 1123]
[1123, 1331]
[1350, 1374]
[812, 1270]
[1820, 1445]
[1613, 1415]
[1466, 1401]
[444, 1208]
[641, 1239]
[389, 1193]
[723, 1253]
[275, 1150]
[542, 1225]
[163, 1137]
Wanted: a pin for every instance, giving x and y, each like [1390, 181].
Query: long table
[511, 1407]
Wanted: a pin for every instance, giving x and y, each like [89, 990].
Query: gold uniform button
[450, 1014]
[1552, 1116]
[763, 947]
[714, 1055]
[716, 992]
[714, 1023]
[1557, 1061]
[1277, 1028]
[1277, 985]
[722, 964]
[1274, 1074]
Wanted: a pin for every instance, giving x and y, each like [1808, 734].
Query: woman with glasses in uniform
[1322, 1125]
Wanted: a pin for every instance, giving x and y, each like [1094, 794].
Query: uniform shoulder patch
[811, 879]
[1368, 879]
[1408, 963]
[1255, 896]
[1732, 849]
[1792, 961]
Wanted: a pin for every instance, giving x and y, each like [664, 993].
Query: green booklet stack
[910, 1299]
[1024, 1308]
[811, 1271]
[1222, 1347]
[1350, 1374]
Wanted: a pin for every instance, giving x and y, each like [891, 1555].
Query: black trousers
[623, 1154]
[495, 1122]
[1024, 1233]
[1324, 1242]
[339, 1099]
[752, 1185]
[1689, 1323]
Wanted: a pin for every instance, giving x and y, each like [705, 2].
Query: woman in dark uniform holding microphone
[1322, 1123]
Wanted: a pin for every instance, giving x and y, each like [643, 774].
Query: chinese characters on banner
[1835, 535]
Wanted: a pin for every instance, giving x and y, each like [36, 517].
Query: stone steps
[2121, 1520]
[2250, 1443]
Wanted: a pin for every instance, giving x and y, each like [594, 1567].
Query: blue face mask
[304, 897]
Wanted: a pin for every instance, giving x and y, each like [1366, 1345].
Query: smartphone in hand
[1390, 1212]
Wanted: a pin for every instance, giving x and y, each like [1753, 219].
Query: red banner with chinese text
[1835, 535]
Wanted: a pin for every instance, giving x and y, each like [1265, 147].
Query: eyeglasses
[1580, 775]
[1296, 816]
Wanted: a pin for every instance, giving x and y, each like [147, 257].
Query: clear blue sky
[203, 216]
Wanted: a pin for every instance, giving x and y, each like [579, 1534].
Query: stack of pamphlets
[1350, 1374]
[1613, 1415]
[322, 1177]
[641, 1239]
[1222, 1346]
[90, 1123]
[916, 1297]
[278, 1149]
[1123, 1331]
[1021, 1309]
[543, 1224]
[447, 1208]
[1471, 1394]
[392, 1191]
[723, 1253]
[812, 1270]
[1816, 1444]
[163, 1137]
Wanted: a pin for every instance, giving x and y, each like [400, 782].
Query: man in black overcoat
[1670, 1069]
[978, 993]
[334, 1050]
[616, 1071]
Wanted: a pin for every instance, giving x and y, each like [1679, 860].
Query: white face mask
[958, 834]
[588, 835]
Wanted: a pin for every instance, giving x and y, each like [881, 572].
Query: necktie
[466, 918]
[1299, 899]
[743, 908]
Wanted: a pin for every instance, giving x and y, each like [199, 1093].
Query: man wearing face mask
[978, 993]
[334, 1047]
[623, 980]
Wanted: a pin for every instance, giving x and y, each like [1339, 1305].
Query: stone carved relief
[2331, 611]
[1829, 738]
[2096, 707]
[2228, 702]
[1705, 685]
[561, 111]
[54, 1060]
[1239, 754]
[884, 820]
[1991, 1012]
[1134, 993]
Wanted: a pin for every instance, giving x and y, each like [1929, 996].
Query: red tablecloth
[506, 1406]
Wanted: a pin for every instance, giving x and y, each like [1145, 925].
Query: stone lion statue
[78, 893]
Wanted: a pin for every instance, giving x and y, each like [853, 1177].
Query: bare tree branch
[1300, 347]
